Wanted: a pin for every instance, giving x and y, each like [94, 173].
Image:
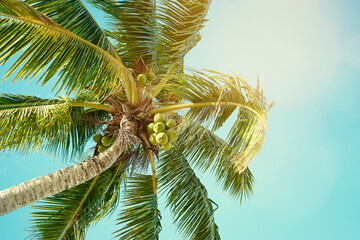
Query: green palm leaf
[140, 217]
[161, 32]
[67, 215]
[134, 28]
[53, 125]
[179, 22]
[48, 46]
[187, 197]
[209, 152]
[73, 16]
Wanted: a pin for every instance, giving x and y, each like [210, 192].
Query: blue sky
[307, 54]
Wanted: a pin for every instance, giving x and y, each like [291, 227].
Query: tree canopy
[98, 69]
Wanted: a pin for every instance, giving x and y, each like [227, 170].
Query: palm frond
[187, 198]
[67, 215]
[207, 151]
[29, 123]
[161, 32]
[179, 22]
[212, 98]
[140, 217]
[49, 48]
[73, 16]
[134, 28]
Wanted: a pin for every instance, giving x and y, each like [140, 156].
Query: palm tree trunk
[48, 185]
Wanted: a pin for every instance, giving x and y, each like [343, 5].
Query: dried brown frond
[139, 66]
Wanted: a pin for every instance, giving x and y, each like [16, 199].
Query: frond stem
[134, 93]
[153, 171]
[12, 106]
[91, 105]
[192, 105]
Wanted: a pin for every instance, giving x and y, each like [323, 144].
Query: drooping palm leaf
[211, 98]
[209, 152]
[49, 47]
[140, 217]
[187, 198]
[53, 125]
[67, 215]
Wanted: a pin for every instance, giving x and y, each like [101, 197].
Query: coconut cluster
[162, 131]
[105, 142]
[143, 77]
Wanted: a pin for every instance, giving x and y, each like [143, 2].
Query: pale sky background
[307, 54]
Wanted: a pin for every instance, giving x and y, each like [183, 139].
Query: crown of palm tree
[99, 67]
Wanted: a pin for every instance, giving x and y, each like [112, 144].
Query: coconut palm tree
[114, 81]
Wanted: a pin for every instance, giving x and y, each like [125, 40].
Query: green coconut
[106, 141]
[159, 117]
[170, 123]
[171, 134]
[166, 146]
[159, 127]
[101, 148]
[151, 76]
[141, 78]
[162, 138]
[152, 139]
[97, 138]
[150, 128]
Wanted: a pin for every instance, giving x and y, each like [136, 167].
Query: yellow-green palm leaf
[161, 32]
[74, 17]
[54, 125]
[47, 48]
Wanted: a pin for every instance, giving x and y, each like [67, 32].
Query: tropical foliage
[97, 69]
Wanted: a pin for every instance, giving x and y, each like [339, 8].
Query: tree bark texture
[39, 188]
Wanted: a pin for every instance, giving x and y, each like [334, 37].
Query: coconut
[171, 134]
[141, 78]
[166, 146]
[97, 138]
[106, 141]
[159, 117]
[101, 148]
[170, 123]
[151, 76]
[159, 127]
[152, 139]
[162, 138]
[150, 127]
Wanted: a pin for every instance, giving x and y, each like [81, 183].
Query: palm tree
[98, 71]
